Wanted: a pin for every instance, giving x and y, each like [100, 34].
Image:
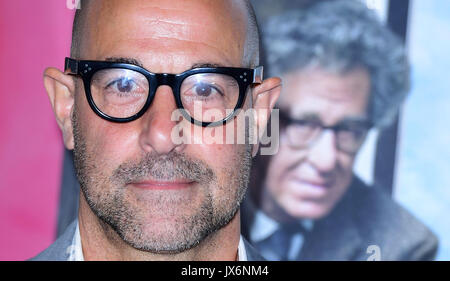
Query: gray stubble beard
[117, 214]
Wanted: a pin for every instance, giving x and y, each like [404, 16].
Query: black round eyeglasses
[122, 92]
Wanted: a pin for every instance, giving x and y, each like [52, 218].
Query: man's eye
[122, 85]
[352, 128]
[354, 131]
[310, 124]
[205, 90]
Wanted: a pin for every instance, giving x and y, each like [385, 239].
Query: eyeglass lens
[122, 93]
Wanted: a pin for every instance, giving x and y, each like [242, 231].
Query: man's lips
[162, 185]
[313, 183]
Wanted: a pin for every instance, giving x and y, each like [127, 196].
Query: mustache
[171, 166]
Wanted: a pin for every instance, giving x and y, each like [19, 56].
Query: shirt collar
[76, 253]
[242, 252]
[264, 226]
[76, 250]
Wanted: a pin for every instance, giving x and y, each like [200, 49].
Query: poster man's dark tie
[277, 245]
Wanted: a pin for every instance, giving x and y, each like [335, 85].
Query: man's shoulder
[372, 206]
[382, 220]
[60, 249]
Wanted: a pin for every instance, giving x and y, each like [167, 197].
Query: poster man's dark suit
[364, 221]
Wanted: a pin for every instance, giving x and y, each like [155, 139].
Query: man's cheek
[222, 158]
[278, 170]
[346, 161]
[291, 202]
[216, 155]
[118, 138]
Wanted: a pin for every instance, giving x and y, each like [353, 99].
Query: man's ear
[265, 96]
[61, 89]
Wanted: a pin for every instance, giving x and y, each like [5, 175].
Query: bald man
[148, 193]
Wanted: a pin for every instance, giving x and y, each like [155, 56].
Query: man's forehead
[324, 95]
[176, 11]
[174, 29]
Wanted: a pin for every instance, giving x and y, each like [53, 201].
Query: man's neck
[100, 242]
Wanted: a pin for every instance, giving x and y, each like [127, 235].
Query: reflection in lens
[209, 97]
[119, 93]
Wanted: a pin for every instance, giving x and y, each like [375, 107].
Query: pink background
[33, 36]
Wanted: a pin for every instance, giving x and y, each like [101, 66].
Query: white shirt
[76, 250]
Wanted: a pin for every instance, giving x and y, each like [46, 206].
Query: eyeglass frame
[367, 124]
[87, 68]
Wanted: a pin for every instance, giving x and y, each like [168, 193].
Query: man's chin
[161, 235]
[161, 246]
[309, 210]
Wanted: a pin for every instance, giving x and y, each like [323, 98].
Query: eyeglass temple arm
[258, 75]
[71, 66]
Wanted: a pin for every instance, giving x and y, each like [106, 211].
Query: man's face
[308, 182]
[159, 196]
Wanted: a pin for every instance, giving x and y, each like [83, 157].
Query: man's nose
[323, 153]
[157, 124]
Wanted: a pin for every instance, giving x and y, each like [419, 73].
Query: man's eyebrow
[308, 116]
[355, 118]
[206, 65]
[138, 63]
[124, 60]
[351, 119]
[311, 116]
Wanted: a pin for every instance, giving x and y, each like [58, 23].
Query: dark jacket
[365, 216]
